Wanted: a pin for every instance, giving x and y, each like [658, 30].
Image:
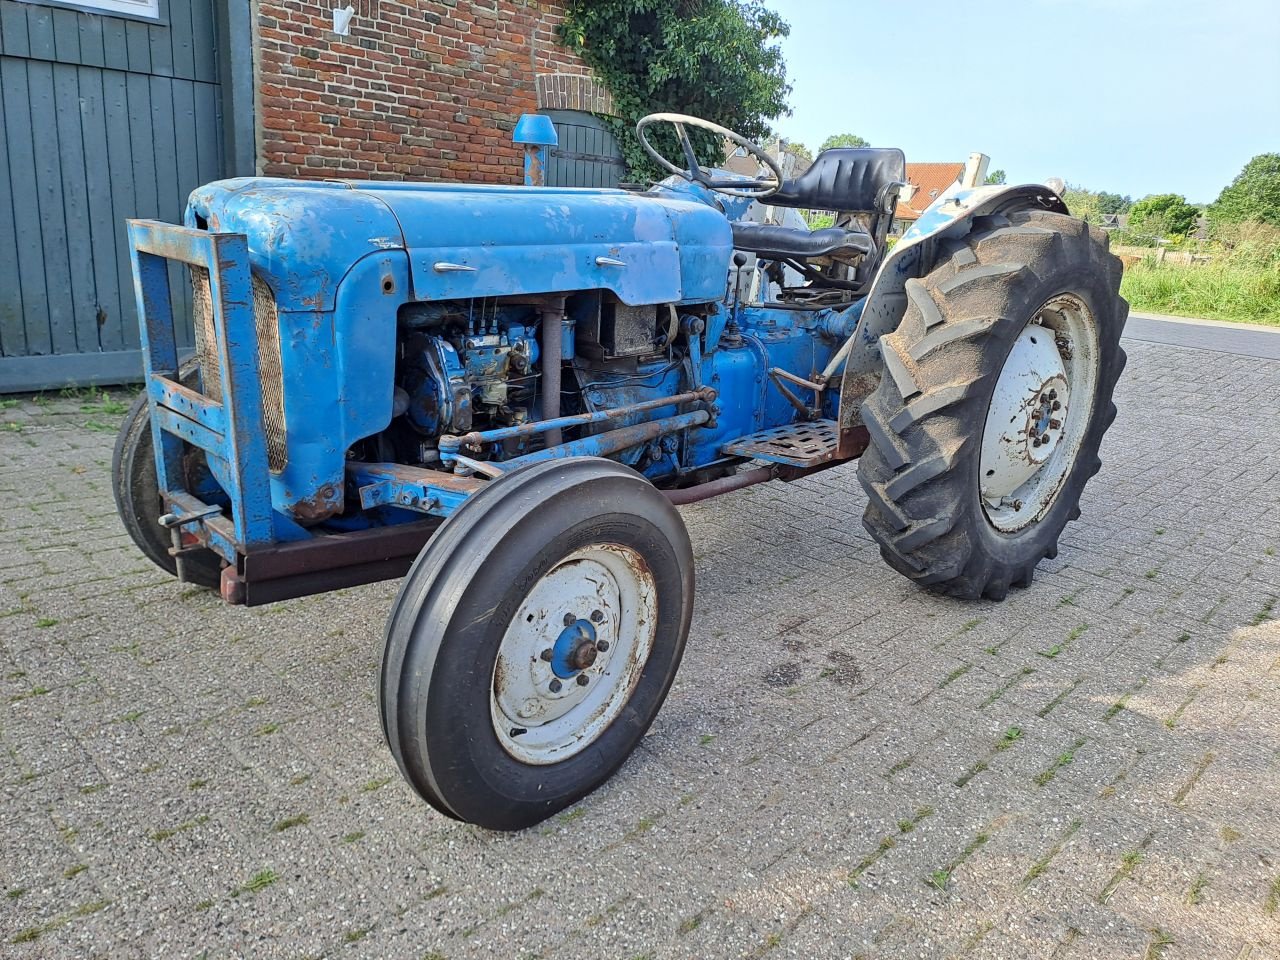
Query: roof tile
[929, 179]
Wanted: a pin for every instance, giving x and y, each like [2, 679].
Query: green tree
[842, 140]
[1253, 195]
[1163, 215]
[995, 177]
[1082, 203]
[1090, 205]
[1113, 203]
[803, 155]
[714, 59]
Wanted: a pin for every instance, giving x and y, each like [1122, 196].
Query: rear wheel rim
[573, 653]
[1039, 413]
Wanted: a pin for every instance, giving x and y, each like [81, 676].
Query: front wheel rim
[1039, 413]
[573, 653]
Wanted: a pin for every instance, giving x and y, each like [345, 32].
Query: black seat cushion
[773, 242]
[846, 178]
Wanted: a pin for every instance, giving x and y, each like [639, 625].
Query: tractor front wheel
[995, 396]
[534, 641]
[138, 502]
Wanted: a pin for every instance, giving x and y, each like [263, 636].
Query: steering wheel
[756, 188]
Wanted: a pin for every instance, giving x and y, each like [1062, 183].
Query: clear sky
[1128, 96]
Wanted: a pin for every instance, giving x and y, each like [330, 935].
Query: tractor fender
[950, 215]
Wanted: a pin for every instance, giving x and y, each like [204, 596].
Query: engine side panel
[469, 241]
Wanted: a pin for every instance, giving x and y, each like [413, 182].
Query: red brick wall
[420, 89]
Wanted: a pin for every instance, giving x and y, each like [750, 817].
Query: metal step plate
[797, 445]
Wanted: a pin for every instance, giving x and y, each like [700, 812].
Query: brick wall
[420, 89]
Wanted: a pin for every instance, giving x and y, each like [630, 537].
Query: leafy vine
[715, 59]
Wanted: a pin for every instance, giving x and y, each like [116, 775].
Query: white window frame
[148, 10]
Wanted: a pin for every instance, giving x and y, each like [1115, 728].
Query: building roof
[929, 179]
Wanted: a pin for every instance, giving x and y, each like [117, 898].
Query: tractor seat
[771, 242]
[844, 178]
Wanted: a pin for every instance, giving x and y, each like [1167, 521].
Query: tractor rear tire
[500, 698]
[1025, 304]
[137, 495]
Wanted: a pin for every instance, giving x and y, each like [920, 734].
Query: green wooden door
[104, 117]
[587, 154]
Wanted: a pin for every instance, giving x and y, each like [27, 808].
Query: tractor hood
[472, 241]
[303, 235]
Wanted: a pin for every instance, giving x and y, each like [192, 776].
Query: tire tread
[924, 420]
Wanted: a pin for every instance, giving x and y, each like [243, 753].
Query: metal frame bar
[414, 488]
[613, 441]
[328, 562]
[233, 428]
[450, 445]
[440, 494]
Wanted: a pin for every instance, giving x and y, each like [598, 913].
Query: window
[141, 9]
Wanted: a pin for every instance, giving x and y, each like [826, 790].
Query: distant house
[925, 181]
[738, 160]
[928, 181]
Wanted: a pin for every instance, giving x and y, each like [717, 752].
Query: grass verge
[1215, 291]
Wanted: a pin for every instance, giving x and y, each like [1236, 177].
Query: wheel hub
[1033, 429]
[572, 653]
[575, 649]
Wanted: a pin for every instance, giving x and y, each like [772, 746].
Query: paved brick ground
[846, 767]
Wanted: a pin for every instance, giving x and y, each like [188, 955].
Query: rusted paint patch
[326, 502]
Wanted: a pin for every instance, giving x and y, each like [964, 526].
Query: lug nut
[1055, 424]
[1035, 442]
[1055, 405]
[1053, 394]
[602, 645]
[546, 655]
[570, 619]
[554, 686]
[582, 680]
[596, 616]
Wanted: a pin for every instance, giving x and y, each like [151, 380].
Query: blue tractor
[501, 393]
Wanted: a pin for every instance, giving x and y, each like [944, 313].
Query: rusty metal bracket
[413, 488]
[777, 375]
[326, 562]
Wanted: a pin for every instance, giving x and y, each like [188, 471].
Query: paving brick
[178, 748]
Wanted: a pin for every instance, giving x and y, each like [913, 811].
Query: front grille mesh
[266, 318]
[206, 341]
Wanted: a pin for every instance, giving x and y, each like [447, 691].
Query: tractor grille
[267, 320]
